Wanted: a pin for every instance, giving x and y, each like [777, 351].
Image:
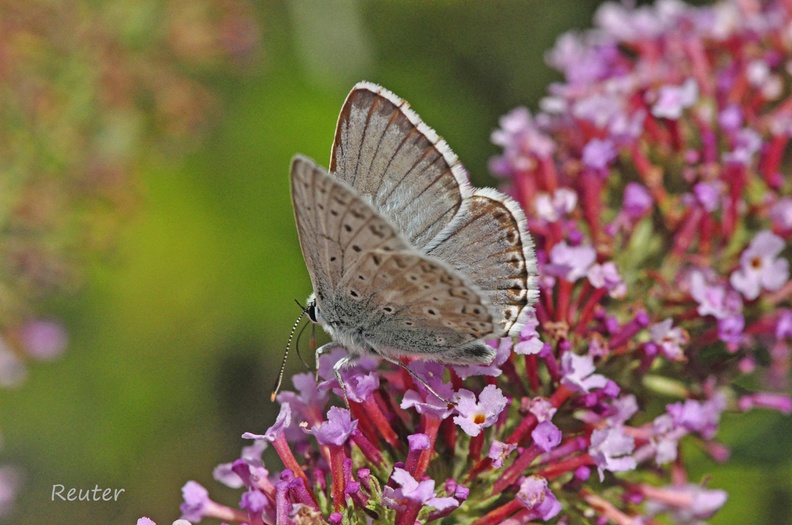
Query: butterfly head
[311, 310]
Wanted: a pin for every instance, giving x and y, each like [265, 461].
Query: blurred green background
[176, 337]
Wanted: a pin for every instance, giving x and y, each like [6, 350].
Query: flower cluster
[87, 91]
[653, 179]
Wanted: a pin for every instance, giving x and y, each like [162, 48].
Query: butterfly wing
[334, 226]
[402, 167]
[489, 234]
[375, 292]
[412, 304]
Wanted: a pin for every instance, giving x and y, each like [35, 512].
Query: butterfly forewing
[332, 224]
[397, 163]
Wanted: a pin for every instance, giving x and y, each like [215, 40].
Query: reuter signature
[76, 494]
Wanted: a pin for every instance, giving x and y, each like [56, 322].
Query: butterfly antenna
[297, 346]
[286, 354]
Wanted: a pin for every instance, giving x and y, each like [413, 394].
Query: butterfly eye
[312, 311]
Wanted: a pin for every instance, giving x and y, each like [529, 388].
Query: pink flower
[669, 339]
[672, 100]
[556, 206]
[760, 266]
[475, 416]
[570, 262]
[611, 450]
[536, 496]
[578, 373]
[409, 491]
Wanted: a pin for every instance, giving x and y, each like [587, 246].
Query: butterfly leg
[344, 361]
[416, 377]
[319, 353]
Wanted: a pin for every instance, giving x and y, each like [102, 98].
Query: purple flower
[578, 373]
[611, 450]
[708, 195]
[361, 386]
[282, 422]
[145, 521]
[410, 490]
[673, 100]
[251, 458]
[747, 144]
[697, 416]
[783, 328]
[541, 408]
[536, 496]
[254, 501]
[426, 402]
[760, 266]
[582, 60]
[546, 436]
[598, 154]
[530, 346]
[196, 501]
[713, 299]
[556, 206]
[730, 331]
[570, 263]
[687, 504]
[475, 416]
[499, 451]
[308, 399]
[781, 214]
[669, 339]
[521, 140]
[637, 200]
[731, 118]
[624, 408]
[665, 438]
[337, 429]
[43, 339]
[607, 276]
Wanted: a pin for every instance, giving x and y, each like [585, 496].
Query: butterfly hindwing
[489, 234]
[412, 304]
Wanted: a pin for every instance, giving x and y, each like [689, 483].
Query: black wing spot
[356, 248]
[333, 258]
[388, 309]
[376, 259]
[347, 227]
[353, 293]
[362, 277]
[334, 213]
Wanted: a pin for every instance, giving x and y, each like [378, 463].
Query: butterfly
[406, 258]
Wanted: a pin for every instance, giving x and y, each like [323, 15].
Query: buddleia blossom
[652, 179]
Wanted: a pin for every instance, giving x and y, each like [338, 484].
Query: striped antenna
[286, 353]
